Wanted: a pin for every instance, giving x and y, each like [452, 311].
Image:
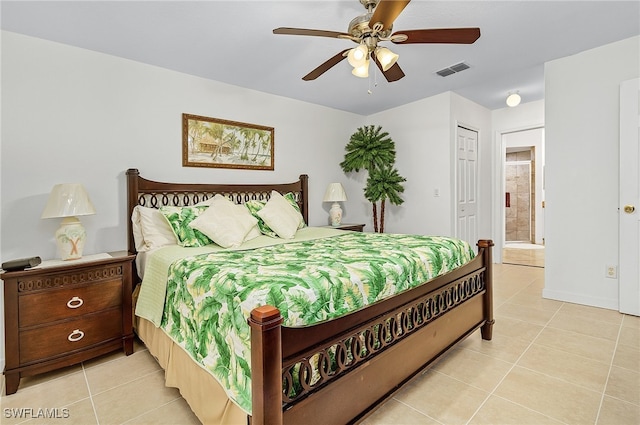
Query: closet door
[467, 185]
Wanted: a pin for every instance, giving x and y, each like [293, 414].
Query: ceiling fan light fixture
[375, 26]
[361, 71]
[386, 58]
[358, 56]
[513, 100]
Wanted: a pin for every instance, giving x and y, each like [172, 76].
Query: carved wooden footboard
[370, 353]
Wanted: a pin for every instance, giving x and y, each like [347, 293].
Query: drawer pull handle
[75, 302]
[76, 335]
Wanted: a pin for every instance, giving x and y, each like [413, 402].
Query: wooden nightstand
[349, 226]
[62, 313]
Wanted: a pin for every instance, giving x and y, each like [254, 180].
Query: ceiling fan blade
[443, 35]
[392, 74]
[386, 12]
[330, 63]
[304, 31]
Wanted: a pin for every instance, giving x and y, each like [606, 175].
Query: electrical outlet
[611, 272]
[436, 192]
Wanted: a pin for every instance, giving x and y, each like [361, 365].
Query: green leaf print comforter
[209, 296]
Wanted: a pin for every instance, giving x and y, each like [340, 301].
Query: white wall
[582, 130]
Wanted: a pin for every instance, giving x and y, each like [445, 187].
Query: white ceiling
[232, 42]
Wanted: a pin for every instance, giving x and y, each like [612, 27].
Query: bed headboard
[148, 193]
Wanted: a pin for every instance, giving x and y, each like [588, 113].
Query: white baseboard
[611, 304]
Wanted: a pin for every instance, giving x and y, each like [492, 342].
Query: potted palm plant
[372, 149]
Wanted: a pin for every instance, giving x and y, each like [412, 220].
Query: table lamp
[68, 201]
[335, 193]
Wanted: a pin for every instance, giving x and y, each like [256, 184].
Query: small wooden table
[349, 226]
[64, 312]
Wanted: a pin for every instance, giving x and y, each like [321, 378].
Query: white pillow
[225, 223]
[205, 203]
[150, 229]
[254, 232]
[279, 214]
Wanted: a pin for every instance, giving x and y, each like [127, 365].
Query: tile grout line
[121, 384]
[606, 382]
[149, 411]
[532, 410]
[416, 410]
[560, 379]
[93, 405]
[489, 396]
[516, 363]
[570, 352]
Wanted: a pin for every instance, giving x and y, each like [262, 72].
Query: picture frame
[218, 143]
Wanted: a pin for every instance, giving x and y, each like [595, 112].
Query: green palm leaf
[377, 283]
[277, 298]
[384, 183]
[368, 148]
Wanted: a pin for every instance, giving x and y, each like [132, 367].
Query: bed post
[304, 182]
[266, 366]
[487, 258]
[132, 200]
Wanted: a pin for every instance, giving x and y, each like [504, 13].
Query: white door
[467, 185]
[629, 267]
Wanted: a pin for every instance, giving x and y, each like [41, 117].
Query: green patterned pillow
[179, 219]
[292, 199]
[254, 206]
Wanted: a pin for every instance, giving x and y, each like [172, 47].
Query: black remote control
[21, 264]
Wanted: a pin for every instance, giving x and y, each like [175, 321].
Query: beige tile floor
[549, 363]
[514, 253]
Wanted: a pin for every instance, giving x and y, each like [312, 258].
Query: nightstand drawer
[50, 306]
[49, 341]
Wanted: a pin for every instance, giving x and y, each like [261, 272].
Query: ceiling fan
[373, 27]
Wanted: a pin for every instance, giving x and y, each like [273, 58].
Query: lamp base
[335, 213]
[70, 238]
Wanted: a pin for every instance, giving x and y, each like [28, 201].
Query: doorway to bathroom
[523, 198]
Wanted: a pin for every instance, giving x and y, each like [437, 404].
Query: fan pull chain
[375, 82]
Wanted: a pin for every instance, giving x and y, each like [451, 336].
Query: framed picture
[216, 143]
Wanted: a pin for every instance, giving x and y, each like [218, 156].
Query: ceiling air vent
[453, 69]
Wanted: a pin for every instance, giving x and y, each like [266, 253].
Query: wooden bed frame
[375, 350]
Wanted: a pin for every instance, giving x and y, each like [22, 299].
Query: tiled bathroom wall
[520, 196]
